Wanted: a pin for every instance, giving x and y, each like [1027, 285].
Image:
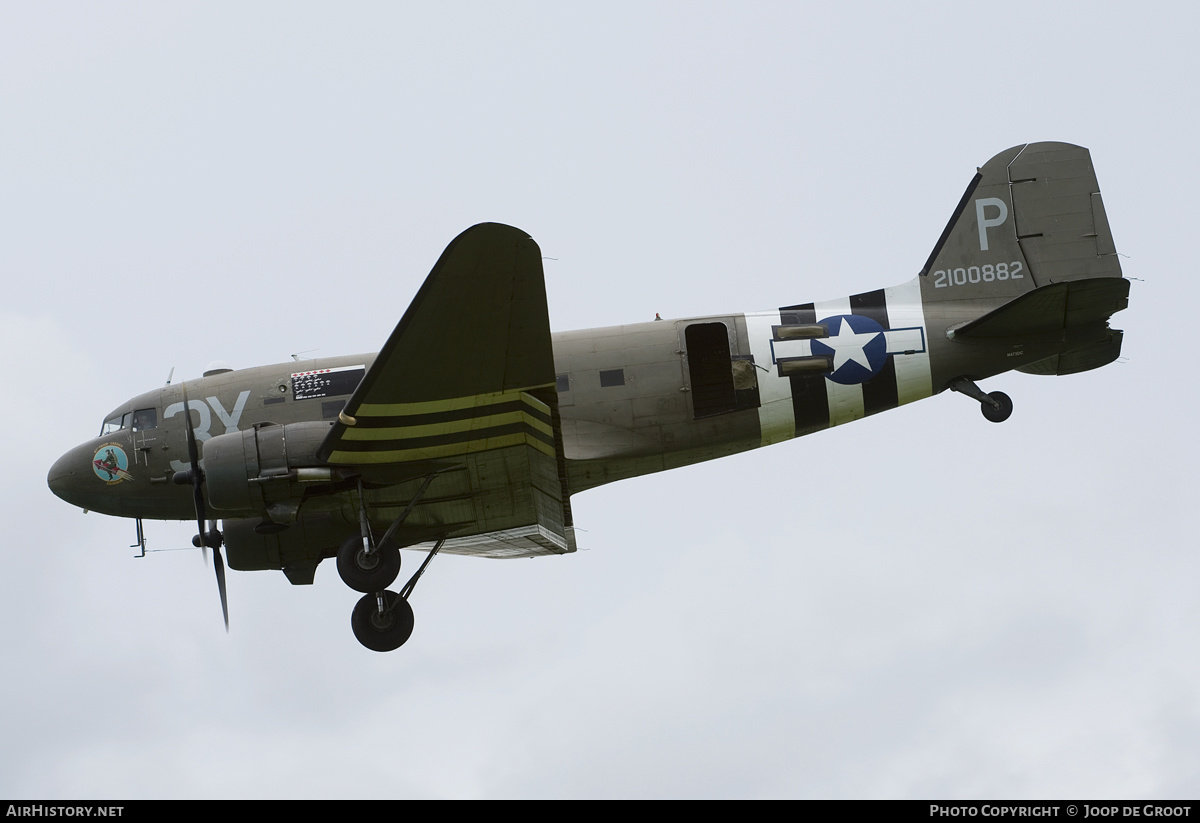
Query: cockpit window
[144, 419]
[140, 420]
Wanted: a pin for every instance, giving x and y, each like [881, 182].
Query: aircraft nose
[62, 475]
[68, 478]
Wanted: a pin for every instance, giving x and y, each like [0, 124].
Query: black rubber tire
[386, 632]
[367, 573]
[997, 415]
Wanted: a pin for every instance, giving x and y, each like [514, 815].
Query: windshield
[113, 424]
[140, 420]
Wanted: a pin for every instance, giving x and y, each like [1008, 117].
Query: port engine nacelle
[245, 471]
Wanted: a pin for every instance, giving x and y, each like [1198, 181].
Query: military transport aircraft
[471, 429]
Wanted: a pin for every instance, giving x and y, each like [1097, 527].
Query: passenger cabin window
[612, 377]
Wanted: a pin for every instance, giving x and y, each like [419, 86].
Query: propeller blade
[205, 537]
[219, 565]
[193, 453]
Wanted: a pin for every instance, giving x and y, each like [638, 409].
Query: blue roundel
[855, 344]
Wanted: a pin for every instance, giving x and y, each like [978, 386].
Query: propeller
[210, 537]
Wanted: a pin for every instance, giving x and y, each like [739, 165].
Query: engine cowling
[296, 550]
[246, 471]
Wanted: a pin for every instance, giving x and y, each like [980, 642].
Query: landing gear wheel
[1000, 413]
[364, 572]
[382, 632]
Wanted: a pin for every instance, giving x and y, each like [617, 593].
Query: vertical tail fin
[1032, 216]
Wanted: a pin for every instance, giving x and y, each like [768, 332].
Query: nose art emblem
[110, 464]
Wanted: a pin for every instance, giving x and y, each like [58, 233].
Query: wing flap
[434, 430]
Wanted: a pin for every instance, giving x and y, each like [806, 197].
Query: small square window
[563, 382]
[612, 377]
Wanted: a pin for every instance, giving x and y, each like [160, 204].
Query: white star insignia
[848, 346]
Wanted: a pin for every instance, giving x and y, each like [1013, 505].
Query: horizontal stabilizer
[1048, 310]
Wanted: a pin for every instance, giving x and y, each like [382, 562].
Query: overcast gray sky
[919, 604]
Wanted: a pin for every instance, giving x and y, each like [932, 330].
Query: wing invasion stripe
[435, 452]
[469, 436]
[451, 403]
[468, 425]
[368, 421]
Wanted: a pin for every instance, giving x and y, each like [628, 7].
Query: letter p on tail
[984, 223]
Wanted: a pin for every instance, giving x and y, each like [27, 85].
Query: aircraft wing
[465, 387]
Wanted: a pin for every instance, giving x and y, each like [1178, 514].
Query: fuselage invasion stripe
[879, 393]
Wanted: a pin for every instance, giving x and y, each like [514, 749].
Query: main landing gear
[383, 620]
[996, 406]
[365, 569]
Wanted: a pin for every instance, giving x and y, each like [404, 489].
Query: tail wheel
[999, 409]
[386, 629]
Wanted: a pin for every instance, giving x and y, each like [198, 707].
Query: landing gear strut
[368, 565]
[996, 406]
[382, 620]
